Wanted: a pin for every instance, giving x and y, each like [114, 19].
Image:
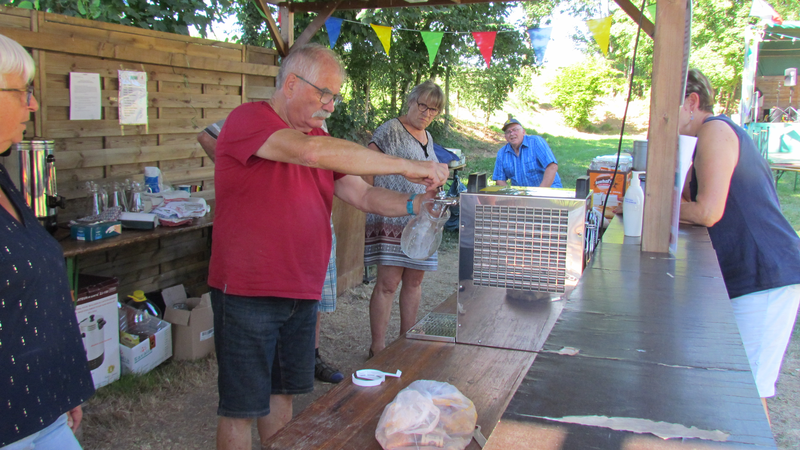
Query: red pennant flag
[485, 41]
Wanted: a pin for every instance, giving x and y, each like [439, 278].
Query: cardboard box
[599, 180]
[155, 345]
[98, 318]
[96, 231]
[192, 328]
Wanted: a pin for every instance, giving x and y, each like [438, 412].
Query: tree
[173, 16]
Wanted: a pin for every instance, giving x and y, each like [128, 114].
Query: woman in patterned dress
[404, 137]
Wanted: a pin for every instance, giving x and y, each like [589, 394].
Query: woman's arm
[716, 158]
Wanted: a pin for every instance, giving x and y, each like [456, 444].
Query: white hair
[306, 61]
[14, 60]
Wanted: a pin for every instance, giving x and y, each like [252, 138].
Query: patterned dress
[382, 244]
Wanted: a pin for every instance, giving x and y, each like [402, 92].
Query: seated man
[525, 160]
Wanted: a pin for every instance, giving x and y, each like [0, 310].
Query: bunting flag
[539, 39]
[432, 40]
[334, 27]
[385, 35]
[485, 41]
[601, 30]
[651, 10]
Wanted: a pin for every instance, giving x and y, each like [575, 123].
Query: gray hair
[698, 83]
[306, 61]
[429, 91]
[14, 60]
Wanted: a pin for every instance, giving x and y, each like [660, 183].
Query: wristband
[410, 205]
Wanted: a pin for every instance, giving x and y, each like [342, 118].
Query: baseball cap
[510, 122]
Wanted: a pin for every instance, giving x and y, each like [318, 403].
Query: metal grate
[521, 248]
[435, 327]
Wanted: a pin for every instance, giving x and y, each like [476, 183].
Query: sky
[561, 50]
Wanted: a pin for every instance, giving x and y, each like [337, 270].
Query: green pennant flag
[651, 10]
[432, 40]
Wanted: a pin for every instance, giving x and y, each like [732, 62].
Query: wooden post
[662, 148]
[287, 27]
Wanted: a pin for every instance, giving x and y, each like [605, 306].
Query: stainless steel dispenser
[520, 249]
[37, 166]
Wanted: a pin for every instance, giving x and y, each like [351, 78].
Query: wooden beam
[287, 26]
[274, 32]
[316, 24]
[374, 4]
[635, 14]
[662, 148]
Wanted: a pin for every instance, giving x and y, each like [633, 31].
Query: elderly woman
[404, 137]
[730, 191]
[45, 375]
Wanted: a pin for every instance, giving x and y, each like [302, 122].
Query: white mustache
[321, 114]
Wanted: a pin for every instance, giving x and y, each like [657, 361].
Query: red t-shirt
[272, 234]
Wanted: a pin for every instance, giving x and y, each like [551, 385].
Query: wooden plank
[80, 46]
[174, 95]
[73, 144]
[316, 24]
[213, 115]
[160, 43]
[181, 164]
[84, 23]
[79, 175]
[62, 64]
[260, 92]
[130, 141]
[53, 113]
[186, 176]
[668, 55]
[188, 140]
[347, 416]
[222, 90]
[274, 31]
[633, 12]
[87, 128]
[126, 170]
[348, 223]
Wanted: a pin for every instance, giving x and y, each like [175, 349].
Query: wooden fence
[191, 83]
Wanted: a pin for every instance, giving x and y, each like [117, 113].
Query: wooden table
[781, 168]
[73, 249]
[656, 339]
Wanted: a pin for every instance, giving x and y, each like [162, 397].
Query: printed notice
[132, 98]
[84, 96]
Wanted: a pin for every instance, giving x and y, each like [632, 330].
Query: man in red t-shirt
[275, 176]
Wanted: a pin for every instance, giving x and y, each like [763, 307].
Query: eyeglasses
[28, 90]
[325, 96]
[423, 108]
[512, 130]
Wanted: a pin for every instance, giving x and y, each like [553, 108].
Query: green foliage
[173, 16]
[577, 91]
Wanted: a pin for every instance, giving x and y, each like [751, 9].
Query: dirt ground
[175, 409]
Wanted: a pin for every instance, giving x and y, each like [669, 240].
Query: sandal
[326, 373]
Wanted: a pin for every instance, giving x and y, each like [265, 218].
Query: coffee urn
[37, 175]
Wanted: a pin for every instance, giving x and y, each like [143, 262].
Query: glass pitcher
[98, 198]
[423, 234]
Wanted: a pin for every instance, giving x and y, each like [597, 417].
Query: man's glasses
[423, 108]
[28, 90]
[325, 96]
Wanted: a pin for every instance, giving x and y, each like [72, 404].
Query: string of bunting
[540, 37]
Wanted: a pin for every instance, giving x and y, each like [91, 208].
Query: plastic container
[633, 207]
[139, 301]
[423, 234]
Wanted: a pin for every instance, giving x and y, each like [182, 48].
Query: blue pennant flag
[334, 27]
[539, 39]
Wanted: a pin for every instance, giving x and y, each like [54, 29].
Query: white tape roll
[372, 377]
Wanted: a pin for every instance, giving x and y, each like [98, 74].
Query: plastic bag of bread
[427, 415]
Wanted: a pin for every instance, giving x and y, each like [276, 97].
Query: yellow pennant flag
[601, 30]
[385, 35]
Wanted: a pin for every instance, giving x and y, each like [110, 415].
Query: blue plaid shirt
[527, 169]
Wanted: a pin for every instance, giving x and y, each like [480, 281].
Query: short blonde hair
[429, 91]
[14, 60]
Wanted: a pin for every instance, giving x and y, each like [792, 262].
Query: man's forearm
[549, 175]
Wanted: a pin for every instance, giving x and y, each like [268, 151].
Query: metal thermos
[37, 167]
[640, 155]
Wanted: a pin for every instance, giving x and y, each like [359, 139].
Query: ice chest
[151, 351]
[97, 315]
[193, 327]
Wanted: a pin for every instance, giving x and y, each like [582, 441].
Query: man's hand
[74, 417]
[429, 173]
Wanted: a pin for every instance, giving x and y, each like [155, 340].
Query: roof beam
[316, 24]
[636, 15]
[274, 31]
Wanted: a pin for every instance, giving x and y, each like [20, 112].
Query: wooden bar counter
[656, 342]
